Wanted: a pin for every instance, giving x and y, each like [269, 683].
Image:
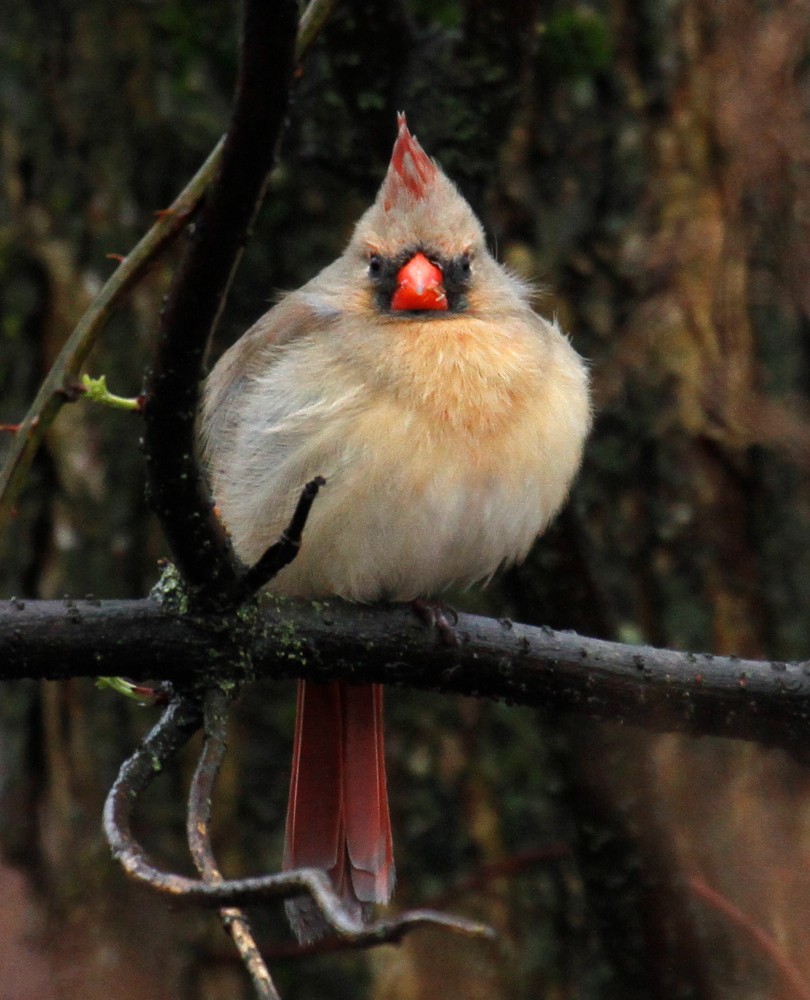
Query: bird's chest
[442, 467]
[421, 506]
[433, 468]
[460, 386]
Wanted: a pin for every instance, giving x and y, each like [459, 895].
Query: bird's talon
[435, 615]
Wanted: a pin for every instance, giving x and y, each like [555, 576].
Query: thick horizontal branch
[663, 690]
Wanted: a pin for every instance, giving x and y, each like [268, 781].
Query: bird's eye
[466, 266]
[375, 265]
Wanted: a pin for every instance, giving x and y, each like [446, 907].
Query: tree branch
[662, 690]
[198, 825]
[761, 940]
[177, 487]
[282, 552]
[57, 388]
[178, 723]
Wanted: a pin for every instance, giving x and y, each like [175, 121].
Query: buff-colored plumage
[448, 440]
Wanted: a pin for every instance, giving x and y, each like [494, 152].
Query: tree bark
[560, 672]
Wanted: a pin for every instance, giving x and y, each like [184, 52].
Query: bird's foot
[440, 616]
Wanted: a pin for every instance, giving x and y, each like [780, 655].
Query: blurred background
[648, 165]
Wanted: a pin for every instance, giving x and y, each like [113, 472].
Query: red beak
[420, 285]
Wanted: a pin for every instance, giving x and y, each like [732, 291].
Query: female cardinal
[448, 420]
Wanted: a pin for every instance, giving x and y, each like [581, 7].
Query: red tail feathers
[337, 817]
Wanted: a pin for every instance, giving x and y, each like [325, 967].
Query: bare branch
[199, 839]
[766, 943]
[663, 690]
[177, 487]
[179, 722]
[315, 16]
[286, 548]
[56, 390]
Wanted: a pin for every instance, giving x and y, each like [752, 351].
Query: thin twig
[313, 19]
[179, 722]
[286, 548]
[199, 839]
[55, 389]
[765, 942]
[504, 868]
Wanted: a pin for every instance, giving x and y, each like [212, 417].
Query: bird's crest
[411, 171]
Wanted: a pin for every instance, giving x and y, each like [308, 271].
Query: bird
[448, 420]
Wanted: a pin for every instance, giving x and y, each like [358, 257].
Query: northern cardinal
[448, 420]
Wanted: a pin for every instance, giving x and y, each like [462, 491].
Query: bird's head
[420, 243]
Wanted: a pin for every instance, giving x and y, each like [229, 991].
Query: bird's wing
[266, 407]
